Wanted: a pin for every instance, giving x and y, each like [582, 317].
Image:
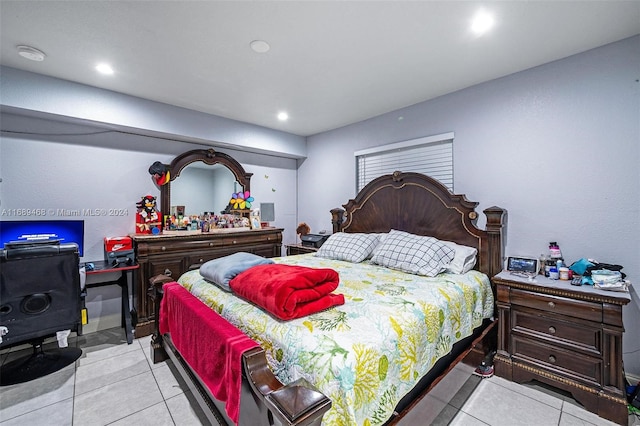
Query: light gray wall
[40, 174]
[558, 146]
[56, 177]
[42, 96]
[70, 146]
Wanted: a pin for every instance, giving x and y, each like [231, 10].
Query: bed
[368, 359]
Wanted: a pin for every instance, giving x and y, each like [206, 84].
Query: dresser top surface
[168, 235]
[545, 284]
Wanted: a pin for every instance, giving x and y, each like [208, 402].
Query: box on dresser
[566, 336]
[173, 254]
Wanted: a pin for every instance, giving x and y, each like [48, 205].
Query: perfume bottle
[554, 251]
[543, 263]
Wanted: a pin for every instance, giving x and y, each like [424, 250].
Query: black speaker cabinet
[39, 291]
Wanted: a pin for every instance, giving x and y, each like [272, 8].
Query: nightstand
[566, 336]
[293, 249]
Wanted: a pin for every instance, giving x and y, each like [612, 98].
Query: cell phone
[576, 280]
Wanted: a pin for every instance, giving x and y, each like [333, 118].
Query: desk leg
[126, 309]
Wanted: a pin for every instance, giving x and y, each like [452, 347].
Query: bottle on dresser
[555, 261]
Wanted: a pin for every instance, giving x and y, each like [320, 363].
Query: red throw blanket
[288, 291]
[211, 346]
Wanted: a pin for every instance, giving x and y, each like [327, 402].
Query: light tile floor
[116, 384]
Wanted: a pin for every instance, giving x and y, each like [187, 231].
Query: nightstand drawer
[293, 249]
[576, 335]
[575, 308]
[571, 363]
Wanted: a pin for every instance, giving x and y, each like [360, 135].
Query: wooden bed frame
[408, 202]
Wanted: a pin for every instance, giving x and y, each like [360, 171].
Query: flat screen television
[37, 231]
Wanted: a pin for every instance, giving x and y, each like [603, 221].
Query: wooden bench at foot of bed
[264, 399]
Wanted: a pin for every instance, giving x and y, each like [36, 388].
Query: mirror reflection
[203, 188]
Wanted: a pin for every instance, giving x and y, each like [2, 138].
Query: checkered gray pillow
[350, 247]
[413, 253]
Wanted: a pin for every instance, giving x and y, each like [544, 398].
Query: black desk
[126, 274]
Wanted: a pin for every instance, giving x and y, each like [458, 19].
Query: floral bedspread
[368, 353]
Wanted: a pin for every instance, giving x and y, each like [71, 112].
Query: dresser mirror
[202, 180]
[203, 188]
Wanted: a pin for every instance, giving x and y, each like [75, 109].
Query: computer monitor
[21, 232]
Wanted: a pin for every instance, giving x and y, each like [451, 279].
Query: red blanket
[210, 345]
[288, 291]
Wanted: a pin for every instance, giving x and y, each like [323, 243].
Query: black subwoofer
[39, 291]
[39, 295]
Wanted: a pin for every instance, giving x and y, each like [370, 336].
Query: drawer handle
[552, 359]
[210, 244]
[200, 260]
[168, 272]
[234, 241]
[163, 248]
[552, 330]
[552, 305]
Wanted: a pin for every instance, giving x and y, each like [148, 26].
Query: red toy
[148, 218]
[160, 173]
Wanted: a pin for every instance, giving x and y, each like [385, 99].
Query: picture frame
[254, 218]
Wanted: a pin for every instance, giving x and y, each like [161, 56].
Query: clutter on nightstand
[603, 276]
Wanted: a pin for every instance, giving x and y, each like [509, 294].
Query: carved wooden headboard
[421, 205]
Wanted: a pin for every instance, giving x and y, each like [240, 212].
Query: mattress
[368, 353]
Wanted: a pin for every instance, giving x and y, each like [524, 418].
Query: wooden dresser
[175, 253]
[566, 336]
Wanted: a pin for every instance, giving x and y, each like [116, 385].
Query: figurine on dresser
[148, 218]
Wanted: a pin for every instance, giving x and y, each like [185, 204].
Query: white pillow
[413, 253]
[350, 247]
[464, 260]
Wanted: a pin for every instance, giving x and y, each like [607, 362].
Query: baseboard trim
[633, 379]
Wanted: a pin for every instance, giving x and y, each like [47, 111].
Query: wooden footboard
[264, 399]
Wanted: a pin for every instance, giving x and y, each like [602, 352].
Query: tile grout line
[73, 395]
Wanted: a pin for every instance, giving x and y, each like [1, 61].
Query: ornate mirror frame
[207, 156]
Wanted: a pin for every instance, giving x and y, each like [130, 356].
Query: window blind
[431, 156]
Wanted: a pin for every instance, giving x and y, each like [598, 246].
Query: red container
[117, 244]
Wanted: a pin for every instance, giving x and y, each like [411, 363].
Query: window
[431, 156]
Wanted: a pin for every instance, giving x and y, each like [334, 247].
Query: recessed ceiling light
[31, 53]
[283, 116]
[482, 22]
[259, 46]
[104, 69]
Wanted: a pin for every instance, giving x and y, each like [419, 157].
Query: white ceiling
[331, 63]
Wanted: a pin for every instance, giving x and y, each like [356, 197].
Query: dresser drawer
[574, 335]
[176, 246]
[165, 265]
[591, 311]
[251, 238]
[199, 259]
[571, 363]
